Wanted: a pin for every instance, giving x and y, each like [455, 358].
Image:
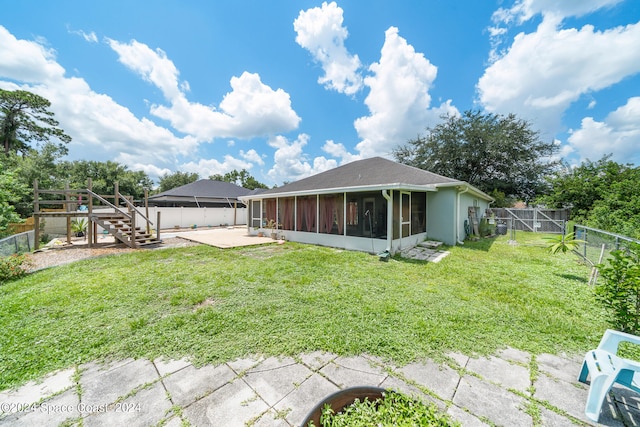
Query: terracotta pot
[340, 400]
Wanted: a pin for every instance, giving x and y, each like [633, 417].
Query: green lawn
[217, 305]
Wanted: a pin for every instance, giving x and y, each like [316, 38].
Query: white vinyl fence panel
[170, 218]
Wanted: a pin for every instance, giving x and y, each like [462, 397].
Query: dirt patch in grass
[55, 256]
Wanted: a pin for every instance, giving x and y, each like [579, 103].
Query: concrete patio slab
[303, 399]
[275, 383]
[234, 404]
[147, 407]
[351, 372]
[225, 237]
[501, 372]
[553, 419]
[317, 359]
[280, 392]
[35, 391]
[491, 402]
[166, 367]
[559, 367]
[189, 384]
[240, 366]
[53, 411]
[440, 379]
[101, 385]
[272, 419]
[562, 394]
[629, 402]
[465, 418]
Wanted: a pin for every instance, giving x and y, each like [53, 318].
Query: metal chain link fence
[17, 244]
[597, 242]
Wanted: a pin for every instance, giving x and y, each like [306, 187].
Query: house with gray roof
[201, 193]
[368, 205]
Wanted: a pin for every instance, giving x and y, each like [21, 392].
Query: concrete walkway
[506, 390]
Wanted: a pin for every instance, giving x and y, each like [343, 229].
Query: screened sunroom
[369, 205]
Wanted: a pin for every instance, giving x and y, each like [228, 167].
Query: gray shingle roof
[205, 188]
[375, 171]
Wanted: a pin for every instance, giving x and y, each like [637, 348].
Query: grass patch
[217, 305]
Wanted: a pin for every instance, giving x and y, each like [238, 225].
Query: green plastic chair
[606, 368]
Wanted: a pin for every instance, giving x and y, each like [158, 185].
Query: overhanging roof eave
[377, 187]
[471, 188]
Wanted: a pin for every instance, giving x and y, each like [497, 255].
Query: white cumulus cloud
[523, 10]
[252, 156]
[618, 133]
[290, 162]
[207, 167]
[339, 151]
[399, 99]
[101, 128]
[251, 109]
[152, 65]
[320, 30]
[543, 72]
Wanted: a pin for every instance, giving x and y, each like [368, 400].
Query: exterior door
[369, 212]
[405, 215]
[255, 213]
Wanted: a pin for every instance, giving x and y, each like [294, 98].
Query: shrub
[563, 243]
[620, 289]
[396, 409]
[13, 267]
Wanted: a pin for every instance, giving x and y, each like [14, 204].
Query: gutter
[469, 187]
[466, 188]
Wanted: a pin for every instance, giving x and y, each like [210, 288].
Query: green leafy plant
[79, 227]
[563, 243]
[620, 289]
[395, 409]
[273, 226]
[13, 267]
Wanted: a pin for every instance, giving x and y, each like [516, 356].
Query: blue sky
[286, 89]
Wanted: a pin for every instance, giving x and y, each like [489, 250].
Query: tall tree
[25, 118]
[103, 176]
[34, 164]
[602, 194]
[10, 191]
[241, 178]
[581, 187]
[489, 151]
[176, 179]
[619, 209]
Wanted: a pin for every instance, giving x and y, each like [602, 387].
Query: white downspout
[460, 241]
[389, 219]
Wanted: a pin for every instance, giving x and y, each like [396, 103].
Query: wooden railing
[73, 198]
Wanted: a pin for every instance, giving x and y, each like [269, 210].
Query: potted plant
[79, 227]
[374, 406]
[273, 226]
[259, 232]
